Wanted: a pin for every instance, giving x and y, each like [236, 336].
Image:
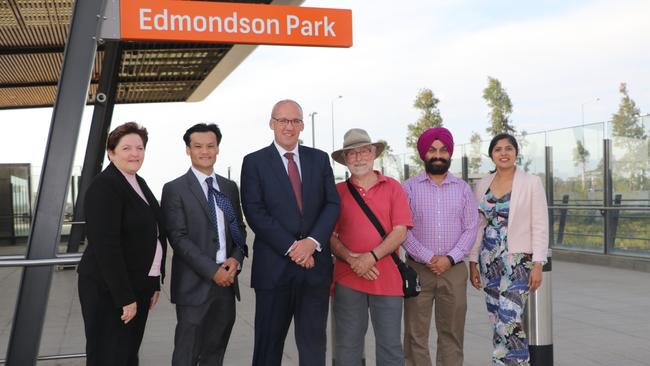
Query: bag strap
[371, 216]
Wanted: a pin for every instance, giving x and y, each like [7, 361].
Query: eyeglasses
[283, 122]
[363, 154]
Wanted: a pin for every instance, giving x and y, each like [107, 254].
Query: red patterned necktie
[294, 178]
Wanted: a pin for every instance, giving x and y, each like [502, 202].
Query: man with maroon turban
[445, 219]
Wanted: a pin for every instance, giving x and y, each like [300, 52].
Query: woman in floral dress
[510, 249]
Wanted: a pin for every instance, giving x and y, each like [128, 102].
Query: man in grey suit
[206, 230]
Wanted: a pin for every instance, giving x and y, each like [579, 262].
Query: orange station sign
[194, 21]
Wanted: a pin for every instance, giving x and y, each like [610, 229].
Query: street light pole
[313, 134]
[333, 146]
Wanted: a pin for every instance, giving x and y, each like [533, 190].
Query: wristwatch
[451, 260]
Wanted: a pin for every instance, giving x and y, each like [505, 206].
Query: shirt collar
[449, 179]
[129, 177]
[282, 151]
[380, 179]
[201, 177]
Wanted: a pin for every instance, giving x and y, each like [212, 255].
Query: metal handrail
[54, 357]
[609, 208]
[20, 261]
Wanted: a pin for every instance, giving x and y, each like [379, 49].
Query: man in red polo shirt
[365, 276]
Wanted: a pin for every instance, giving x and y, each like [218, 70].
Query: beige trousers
[449, 292]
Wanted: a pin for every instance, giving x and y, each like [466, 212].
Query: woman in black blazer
[122, 268]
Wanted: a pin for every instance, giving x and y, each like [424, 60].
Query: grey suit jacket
[194, 239]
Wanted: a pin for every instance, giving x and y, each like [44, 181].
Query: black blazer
[122, 231]
[194, 239]
[272, 212]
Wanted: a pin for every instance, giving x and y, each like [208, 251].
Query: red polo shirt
[388, 202]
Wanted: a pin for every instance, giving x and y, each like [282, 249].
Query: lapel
[117, 174]
[195, 187]
[153, 201]
[280, 172]
[484, 184]
[517, 187]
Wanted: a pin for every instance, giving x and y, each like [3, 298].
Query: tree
[629, 135]
[500, 108]
[474, 160]
[580, 158]
[626, 122]
[430, 117]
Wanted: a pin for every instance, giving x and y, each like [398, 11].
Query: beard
[437, 169]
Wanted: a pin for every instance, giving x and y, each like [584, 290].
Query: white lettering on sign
[144, 18]
[164, 21]
[309, 28]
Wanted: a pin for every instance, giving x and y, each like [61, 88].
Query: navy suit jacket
[272, 213]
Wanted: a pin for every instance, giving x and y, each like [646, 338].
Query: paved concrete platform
[601, 316]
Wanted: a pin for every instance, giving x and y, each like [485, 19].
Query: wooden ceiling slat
[149, 72]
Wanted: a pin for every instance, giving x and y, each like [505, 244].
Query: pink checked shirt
[445, 218]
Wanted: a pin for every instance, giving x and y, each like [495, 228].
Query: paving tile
[600, 317]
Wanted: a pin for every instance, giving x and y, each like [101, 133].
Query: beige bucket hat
[354, 138]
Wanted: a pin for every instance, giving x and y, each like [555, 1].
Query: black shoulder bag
[410, 278]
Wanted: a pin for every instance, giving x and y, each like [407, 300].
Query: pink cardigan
[527, 220]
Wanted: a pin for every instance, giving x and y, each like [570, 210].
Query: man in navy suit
[291, 204]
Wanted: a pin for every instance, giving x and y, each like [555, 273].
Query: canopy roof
[32, 39]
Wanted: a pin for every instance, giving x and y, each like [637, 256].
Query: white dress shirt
[285, 161]
[221, 253]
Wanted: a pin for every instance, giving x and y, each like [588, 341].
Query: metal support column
[608, 241]
[465, 168]
[101, 123]
[550, 197]
[563, 215]
[45, 230]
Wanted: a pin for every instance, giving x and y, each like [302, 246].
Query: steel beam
[26, 50]
[101, 123]
[608, 187]
[45, 230]
[550, 196]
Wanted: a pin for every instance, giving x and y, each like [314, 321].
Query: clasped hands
[439, 264]
[302, 253]
[363, 265]
[225, 274]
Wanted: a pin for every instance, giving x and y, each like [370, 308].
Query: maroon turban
[429, 136]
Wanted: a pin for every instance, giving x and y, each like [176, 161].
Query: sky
[555, 58]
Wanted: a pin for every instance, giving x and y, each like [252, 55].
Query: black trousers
[203, 331]
[274, 310]
[110, 342]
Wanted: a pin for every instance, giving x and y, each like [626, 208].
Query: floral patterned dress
[506, 283]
